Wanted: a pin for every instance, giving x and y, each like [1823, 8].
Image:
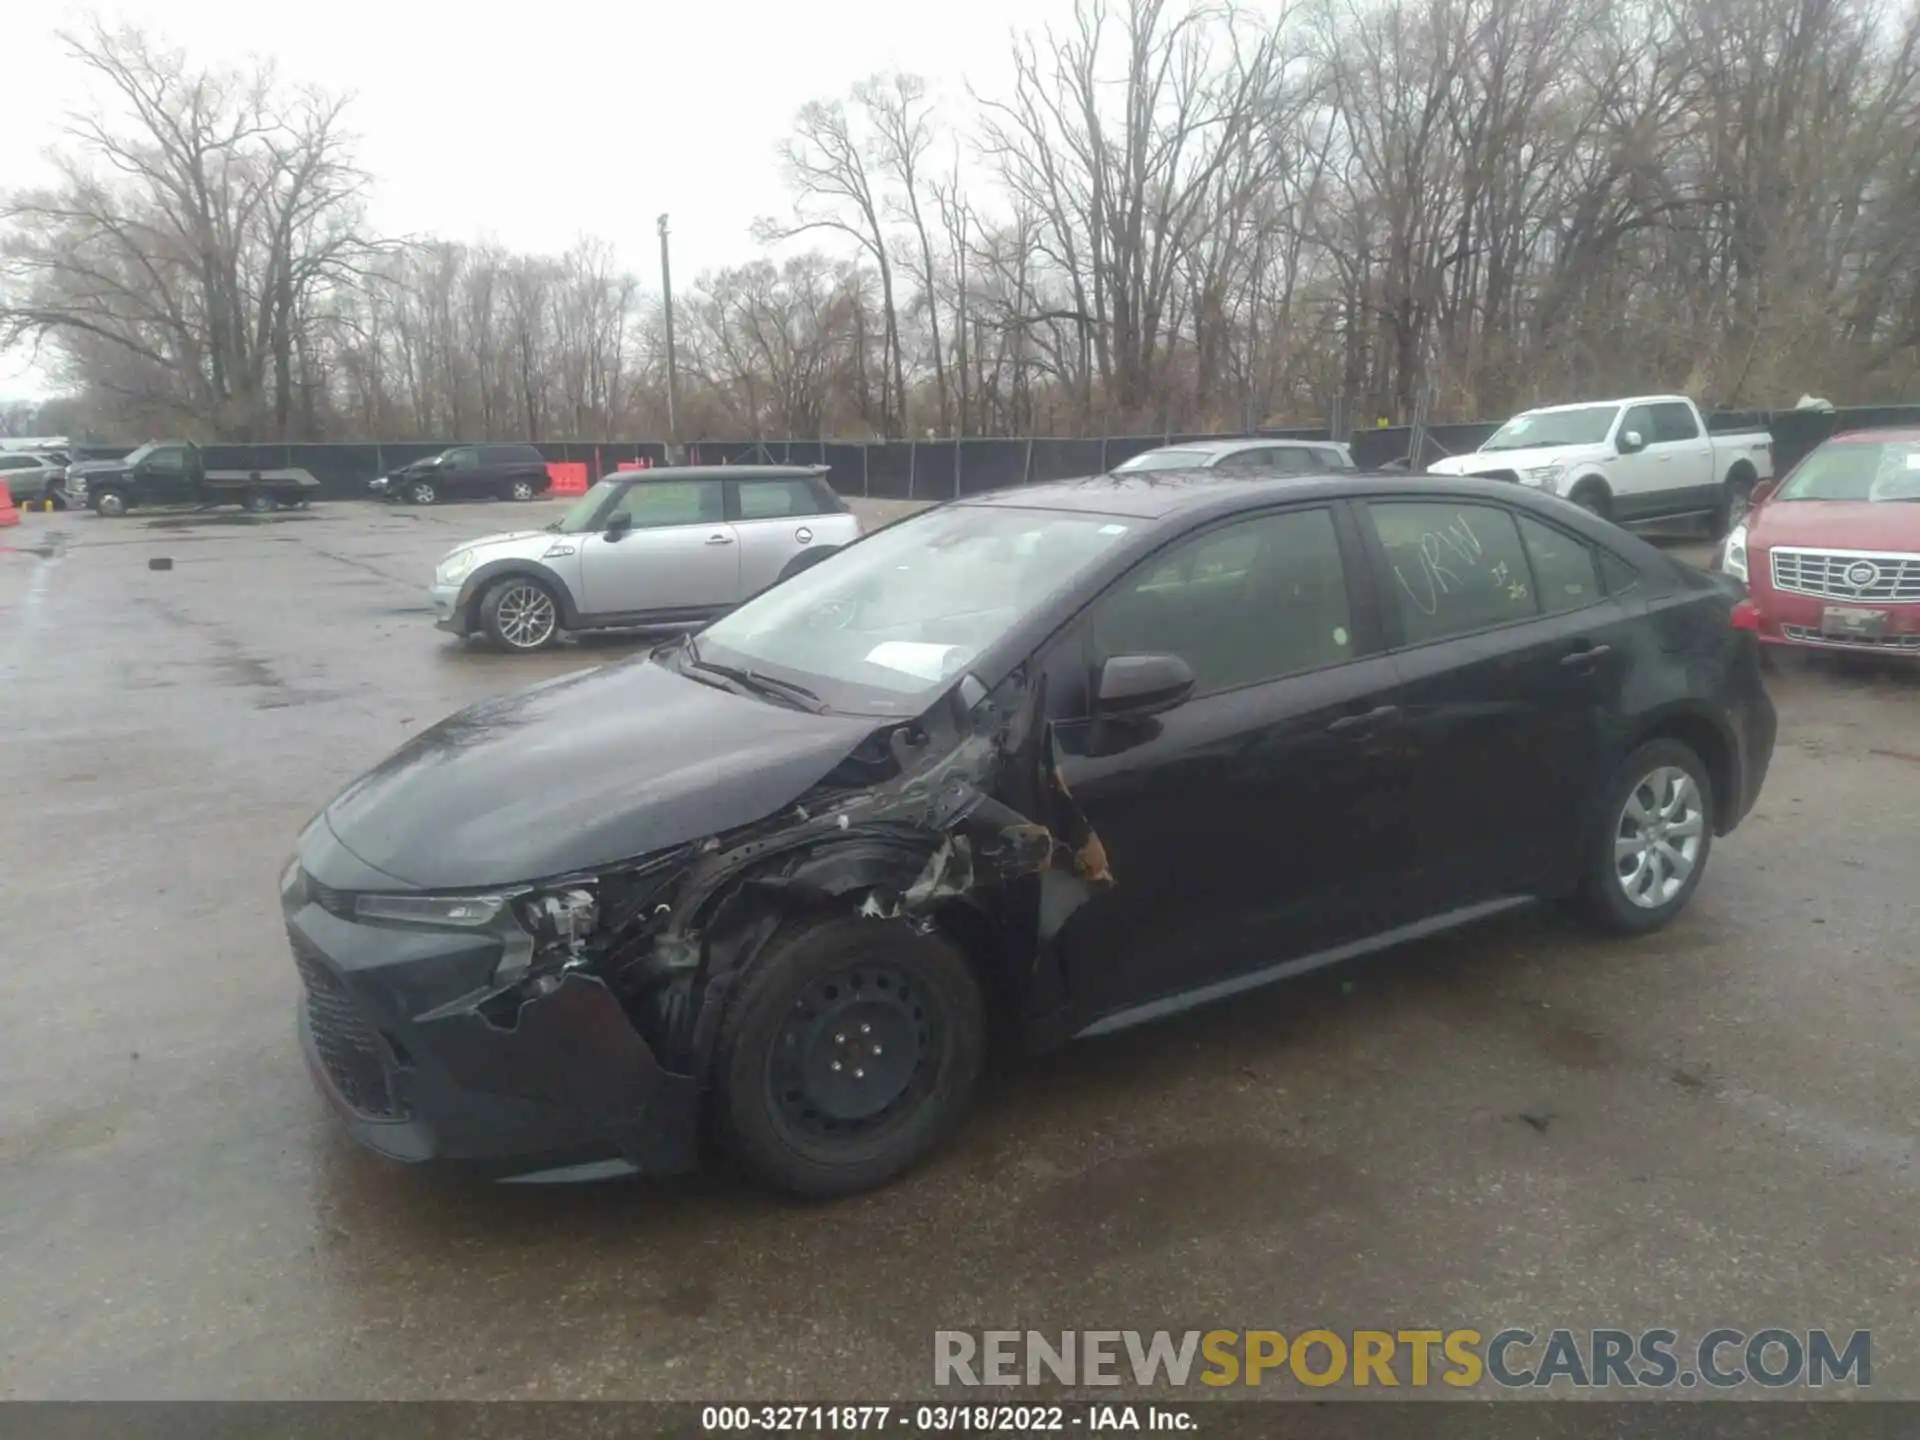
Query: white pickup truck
[1644, 460]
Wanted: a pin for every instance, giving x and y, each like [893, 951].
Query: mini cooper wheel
[1654, 842]
[520, 614]
[850, 1053]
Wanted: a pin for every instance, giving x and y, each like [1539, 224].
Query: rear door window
[657, 504]
[1453, 569]
[777, 499]
[1673, 422]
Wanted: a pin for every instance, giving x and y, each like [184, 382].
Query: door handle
[1365, 721]
[1586, 657]
[719, 539]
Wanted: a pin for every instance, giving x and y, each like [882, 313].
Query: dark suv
[506, 472]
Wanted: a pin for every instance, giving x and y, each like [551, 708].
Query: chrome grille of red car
[1848, 575]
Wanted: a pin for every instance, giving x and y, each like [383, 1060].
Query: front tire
[421, 492]
[111, 504]
[850, 1054]
[1653, 842]
[1593, 498]
[520, 614]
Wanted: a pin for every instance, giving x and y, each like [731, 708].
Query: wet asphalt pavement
[1516, 1125]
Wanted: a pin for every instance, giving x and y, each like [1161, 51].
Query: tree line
[1162, 217]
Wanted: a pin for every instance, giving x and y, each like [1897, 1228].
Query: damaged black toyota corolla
[1067, 758]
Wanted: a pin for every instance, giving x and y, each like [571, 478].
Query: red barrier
[569, 476]
[641, 464]
[9, 512]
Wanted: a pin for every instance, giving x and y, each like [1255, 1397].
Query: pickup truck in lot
[172, 472]
[1643, 460]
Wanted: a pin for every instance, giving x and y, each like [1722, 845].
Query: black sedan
[1061, 760]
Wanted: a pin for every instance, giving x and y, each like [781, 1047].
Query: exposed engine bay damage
[962, 809]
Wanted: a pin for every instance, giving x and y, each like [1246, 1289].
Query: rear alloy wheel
[1653, 852]
[258, 502]
[851, 1053]
[422, 493]
[520, 614]
[520, 490]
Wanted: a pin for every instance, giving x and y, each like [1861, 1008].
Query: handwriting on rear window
[1447, 557]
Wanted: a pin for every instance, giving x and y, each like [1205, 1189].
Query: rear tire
[1736, 501]
[1651, 847]
[520, 614]
[850, 1053]
[520, 490]
[806, 560]
[257, 502]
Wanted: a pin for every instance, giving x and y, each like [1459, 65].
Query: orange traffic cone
[9, 512]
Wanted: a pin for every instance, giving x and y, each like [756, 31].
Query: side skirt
[1287, 969]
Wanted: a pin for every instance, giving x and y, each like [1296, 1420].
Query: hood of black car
[581, 772]
[95, 467]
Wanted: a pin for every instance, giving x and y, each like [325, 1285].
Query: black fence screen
[945, 469]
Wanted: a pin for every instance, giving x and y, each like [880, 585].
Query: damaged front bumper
[413, 1044]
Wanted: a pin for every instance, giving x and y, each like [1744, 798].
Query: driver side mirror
[1133, 685]
[618, 524]
[1632, 442]
[1762, 493]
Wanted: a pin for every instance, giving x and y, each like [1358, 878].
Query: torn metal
[963, 807]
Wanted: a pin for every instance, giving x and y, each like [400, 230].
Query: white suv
[646, 549]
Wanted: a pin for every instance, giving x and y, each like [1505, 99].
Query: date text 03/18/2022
[945, 1419]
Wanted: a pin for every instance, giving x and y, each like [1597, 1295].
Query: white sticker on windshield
[1113, 529]
[1913, 459]
[917, 658]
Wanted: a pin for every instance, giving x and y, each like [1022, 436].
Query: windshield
[1586, 426]
[135, 457]
[579, 517]
[1851, 470]
[1164, 460]
[878, 628]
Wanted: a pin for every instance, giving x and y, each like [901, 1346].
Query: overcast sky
[535, 121]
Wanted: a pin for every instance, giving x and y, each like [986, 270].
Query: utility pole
[673, 378]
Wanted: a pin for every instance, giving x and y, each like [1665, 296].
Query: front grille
[356, 1061]
[1850, 575]
[1904, 643]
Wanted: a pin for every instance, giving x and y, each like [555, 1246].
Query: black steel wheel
[850, 1053]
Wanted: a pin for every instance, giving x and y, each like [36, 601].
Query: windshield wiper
[754, 683]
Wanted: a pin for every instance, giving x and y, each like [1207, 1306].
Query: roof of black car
[718, 472]
[1152, 494]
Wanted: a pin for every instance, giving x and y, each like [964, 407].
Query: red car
[1831, 555]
